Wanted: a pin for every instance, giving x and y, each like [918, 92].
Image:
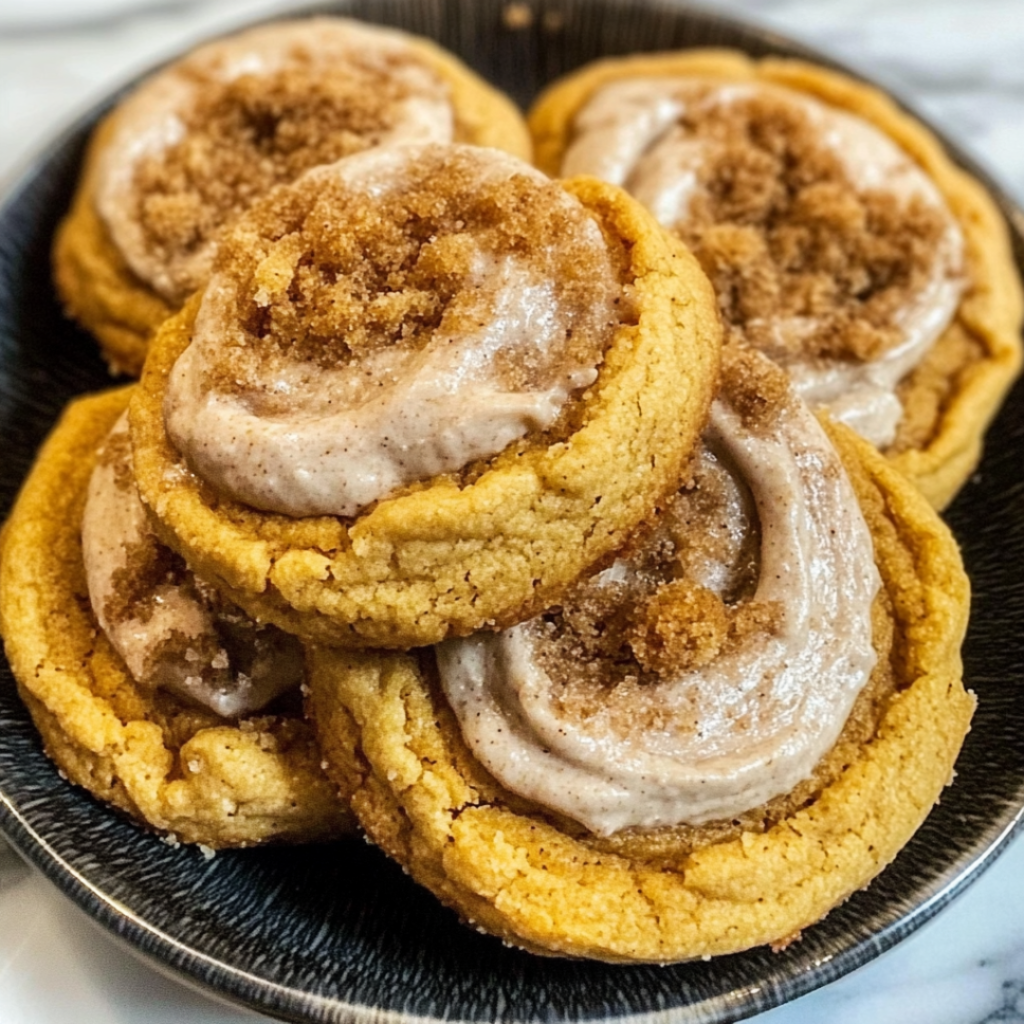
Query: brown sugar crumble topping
[669, 844]
[237, 651]
[615, 638]
[116, 454]
[255, 131]
[328, 274]
[147, 567]
[783, 232]
[758, 390]
[235, 648]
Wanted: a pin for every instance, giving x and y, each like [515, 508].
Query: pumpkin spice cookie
[838, 234]
[706, 746]
[196, 144]
[150, 690]
[424, 391]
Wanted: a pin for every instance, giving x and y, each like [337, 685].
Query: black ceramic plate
[337, 933]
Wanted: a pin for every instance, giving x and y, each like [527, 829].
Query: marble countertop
[958, 62]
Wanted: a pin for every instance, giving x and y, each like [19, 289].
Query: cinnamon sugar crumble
[617, 636]
[783, 232]
[116, 453]
[237, 650]
[683, 626]
[686, 626]
[671, 843]
[329, 275]
[147, 567]
[758, 390]
[245, 135]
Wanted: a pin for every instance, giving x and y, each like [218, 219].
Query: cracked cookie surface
[952, 394]
[173, 765]
[195, 144]
[488, 545]
[512, 869]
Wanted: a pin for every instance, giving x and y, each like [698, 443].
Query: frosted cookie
[425, 390]
[148, 689]
[706, 746]
[194, 145]
[840, 238]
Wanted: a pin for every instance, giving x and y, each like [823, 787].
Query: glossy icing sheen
[355, 434]
[153, 119]
[629, 134]
[757, 719]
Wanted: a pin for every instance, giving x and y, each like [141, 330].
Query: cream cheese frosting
[172, 631]
[310, 440]
[633, 133]
[157, 117]
[735, 732]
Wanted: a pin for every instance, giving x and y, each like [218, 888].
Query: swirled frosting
[691, 681]
[196, 144]
[829, 248]
[394, 317]
[172, 630]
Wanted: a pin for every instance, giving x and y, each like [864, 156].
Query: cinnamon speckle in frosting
[782, 230]
[829, 248]
[200, 141]
[649, 617]
[396, 316]
[330, 274]
[663, 691]
[674, 841]
[248, 134]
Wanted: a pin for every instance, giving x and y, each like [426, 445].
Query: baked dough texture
[506, 867]
[452, 556]
[951, 397]
[101, 292]
[176, 768]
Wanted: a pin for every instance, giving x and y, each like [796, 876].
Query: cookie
[494, 378]
[195, 144]
[616, 779]
[166, 760]
[840, 237]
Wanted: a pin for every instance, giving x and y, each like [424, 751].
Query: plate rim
[232, 985]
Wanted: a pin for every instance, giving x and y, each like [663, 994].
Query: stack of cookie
[487, 510]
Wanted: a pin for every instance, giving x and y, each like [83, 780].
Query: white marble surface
[958, 61]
